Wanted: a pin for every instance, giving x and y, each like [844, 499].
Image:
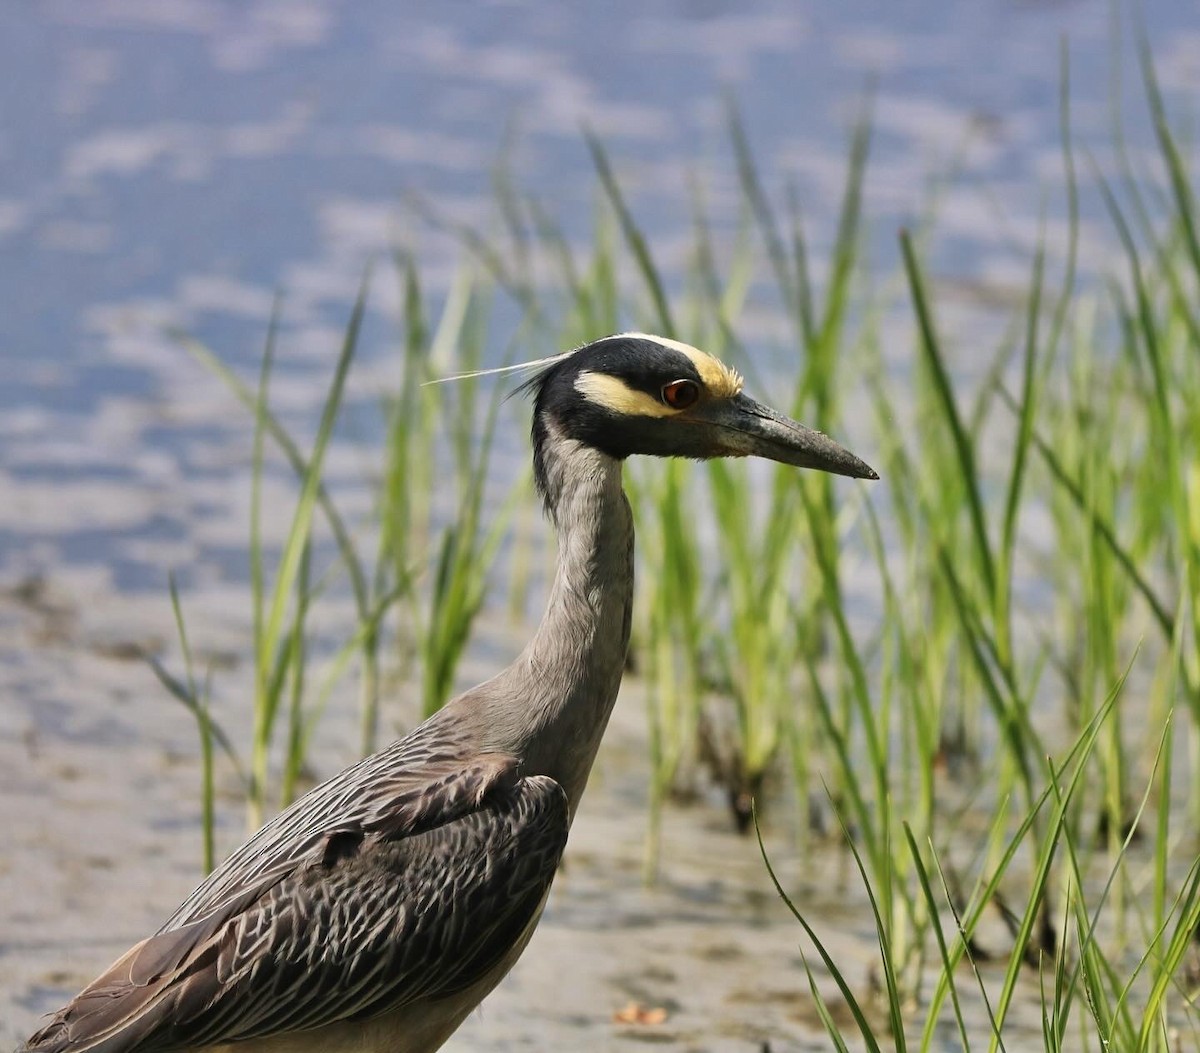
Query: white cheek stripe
[614, 394]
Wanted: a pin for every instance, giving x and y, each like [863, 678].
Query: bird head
[639, 394]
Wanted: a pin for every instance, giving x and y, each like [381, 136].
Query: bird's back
[387, 901]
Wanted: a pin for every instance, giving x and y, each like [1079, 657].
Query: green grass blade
[1184, 200]
[1103, 528]
[856, 1011]
[633, 235]
[963, 446]
[197, 702]
[931, 905]
[891, 984]
[299, 465]
[1063, 798]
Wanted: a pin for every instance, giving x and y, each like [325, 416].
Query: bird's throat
[569, 674]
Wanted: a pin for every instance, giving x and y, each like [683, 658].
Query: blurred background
[170, 170]
[175, 164]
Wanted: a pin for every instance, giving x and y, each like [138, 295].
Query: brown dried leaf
[643, 1016]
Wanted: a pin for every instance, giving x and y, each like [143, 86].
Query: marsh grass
[427, 581]
[1091, 996]
[196, 700]
[866, 647]
[425, 421]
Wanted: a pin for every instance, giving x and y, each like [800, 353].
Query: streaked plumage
[379, 909]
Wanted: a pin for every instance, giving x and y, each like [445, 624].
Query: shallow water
[171, 163]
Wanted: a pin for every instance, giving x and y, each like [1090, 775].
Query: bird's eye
[680, 394]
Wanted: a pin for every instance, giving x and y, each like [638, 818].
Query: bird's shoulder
[430, 778]
[373, 918]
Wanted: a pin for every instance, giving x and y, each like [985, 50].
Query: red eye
[680, 394]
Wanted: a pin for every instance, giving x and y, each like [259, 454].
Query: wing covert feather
[411, 786]
[309, 924]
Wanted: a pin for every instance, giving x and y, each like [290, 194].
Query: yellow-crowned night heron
[379, 909]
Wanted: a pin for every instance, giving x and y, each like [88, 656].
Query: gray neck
[551, 706]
